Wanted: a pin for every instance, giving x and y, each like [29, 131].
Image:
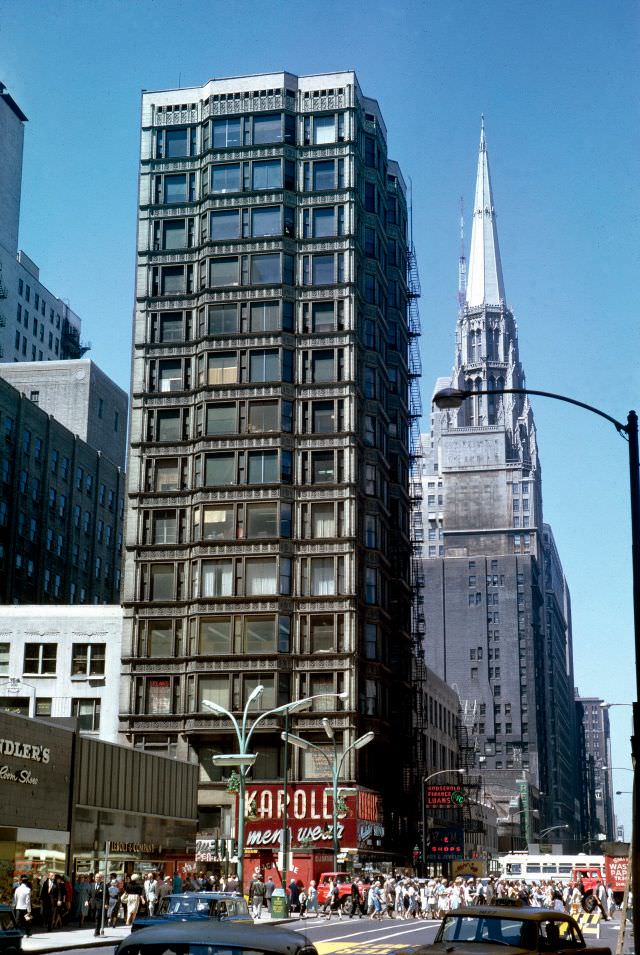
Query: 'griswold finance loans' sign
[309, 814]
[35, 773]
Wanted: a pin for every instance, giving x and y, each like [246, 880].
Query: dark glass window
[265, 317]
[323, 467]
[175, 189]
[219, 469]
[169, 425]
[324, 222]
[323, 316]
[224, 272]
[267, 129]
[226, 133]
[263, 467]
[267, 174]
[323, 417]
[263, 416]
[176, 143]
[221, 418]
[223, 319]
[324, 175]
[226, 178]
[323, 270]
[173, 282]
[266, 221]
[225, 224]
[262, 520]
[264, 365]
[265, 269]
[174, 234]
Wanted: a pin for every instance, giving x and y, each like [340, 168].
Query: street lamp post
[453, 398]
[545, 832]
[244, 760]
[335, 766]
[425, 780]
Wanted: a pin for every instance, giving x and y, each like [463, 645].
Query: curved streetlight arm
[293, 707]
[451, 394]
[220, 711]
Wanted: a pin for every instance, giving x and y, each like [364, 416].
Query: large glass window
[161, 582]
[266, 220]
[87, 659]
[322, 270]
[218, 522]
[324, 175]
[265, 317]
[324, 222]
[221, 419]
[266, 269]
[167, 474]
[225, 224]
[176, 143]
[263, 416]
[170, 375]
[223, 272]
[173, 281]
[223, 319]
[169, 425]
[261, 576]
[324, 130]
[323, 365]
[323, 520]
[219, 469]
[222, 369]
[267, 129]
[264, 365]
[267, 174]
[259, 634]
[171, 327]
[4, 659]
[87, 712]
[216, 635]
[226, 178]
[323, 468]
[214, 689]
[165, 527]
[40, 658]
[323, 316]
[226, 133]
[322, 577]
[263, 467]
[322, 633]
[323, 417]
[268, 699]
[217, 578]
[160, 639]
[175, 189]
[262, 520]
[174, 234]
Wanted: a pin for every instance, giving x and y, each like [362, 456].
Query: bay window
[222, 368]
[165, 527]
[266, 269]
[226, 177]
[167, 476]
[267, 128]
[174, 234]
[267, 174]
[218, 522]
[264, 365]
[265, 317]
[216, 578]
[260, 634]
[223, 319]
[219, 469]
[170, 375]
[266, 220]
[268, 699]
[160, 639]
[263, 416]
[221, 419]
[214, 689]
[225, 224]
[215, 635]
[322, 633]
[226, 133]
[322, 577]
[224, 272]
[263, 467]
[323, 520]
[262, 520]
[175, 189]
[324, 130]
[162, 582]
[261, 576]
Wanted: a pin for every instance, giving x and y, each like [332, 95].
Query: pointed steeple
[484, 283]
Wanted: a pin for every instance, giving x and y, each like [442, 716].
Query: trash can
[279, 904]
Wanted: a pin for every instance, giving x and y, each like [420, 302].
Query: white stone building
[62, 661]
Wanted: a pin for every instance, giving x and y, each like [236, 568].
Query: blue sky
[557, 83]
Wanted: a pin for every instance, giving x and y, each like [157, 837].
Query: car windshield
[227, 948]
[485, 929]
[179, 905]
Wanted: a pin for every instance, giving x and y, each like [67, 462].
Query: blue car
[198, 906]
[10, 934]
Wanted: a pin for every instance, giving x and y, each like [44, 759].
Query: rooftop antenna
[462, 262]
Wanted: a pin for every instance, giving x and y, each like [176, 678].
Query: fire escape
[418, 626]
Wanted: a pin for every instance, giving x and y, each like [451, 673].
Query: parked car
[216, 938]
[197, 906]
[521, 930]
[10, 934]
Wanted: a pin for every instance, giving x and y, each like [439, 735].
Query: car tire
[589, 903]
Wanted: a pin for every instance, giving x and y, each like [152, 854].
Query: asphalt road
[368, 937]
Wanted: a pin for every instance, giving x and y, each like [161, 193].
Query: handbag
[124, 897]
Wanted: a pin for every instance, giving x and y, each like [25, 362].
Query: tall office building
[497, 604]
[597, 737]
[35, 324]
[268, 505]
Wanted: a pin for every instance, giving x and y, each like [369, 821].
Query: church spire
[484, 284]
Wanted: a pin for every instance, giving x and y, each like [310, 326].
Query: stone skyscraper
[268, 511]
[496, 602]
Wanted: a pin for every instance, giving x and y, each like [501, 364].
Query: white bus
[523, 865]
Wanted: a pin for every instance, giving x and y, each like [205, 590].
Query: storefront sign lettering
[269, 837]
[11, 747]
[146, 848]
[20, 776]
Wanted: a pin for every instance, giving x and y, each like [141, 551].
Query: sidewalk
[85, 938]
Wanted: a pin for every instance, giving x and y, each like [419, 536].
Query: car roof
[516, 913]
[271, 938]
[205, 895]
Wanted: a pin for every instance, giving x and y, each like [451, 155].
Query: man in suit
[101, 901]
[48, 898]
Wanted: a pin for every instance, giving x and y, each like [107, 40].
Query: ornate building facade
[268, 510]
[497, 604]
